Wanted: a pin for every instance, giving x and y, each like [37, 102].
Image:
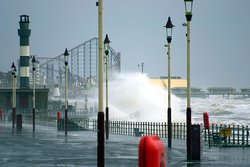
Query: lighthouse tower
[24, 34]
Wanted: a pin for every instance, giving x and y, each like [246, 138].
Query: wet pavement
[48, 147]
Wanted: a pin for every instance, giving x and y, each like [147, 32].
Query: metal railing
[144, 128]
[220, 135]
[229, 135]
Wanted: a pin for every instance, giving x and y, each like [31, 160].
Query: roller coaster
[83, 67]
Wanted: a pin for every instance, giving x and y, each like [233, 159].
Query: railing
[220, 135]
[236, 136]
[82, 114]
[40, 120]
[146, 128]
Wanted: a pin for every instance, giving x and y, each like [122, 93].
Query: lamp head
[34, 63]
[66, 56]
[106, 44]
[169, 27]
[188, 9]
[14, 71]
[106, 40]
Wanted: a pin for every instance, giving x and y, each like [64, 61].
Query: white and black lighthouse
[24, 34]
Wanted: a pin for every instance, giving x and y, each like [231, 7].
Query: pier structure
[228, 91]
[225, 92]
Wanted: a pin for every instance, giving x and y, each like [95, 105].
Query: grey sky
[220, 35]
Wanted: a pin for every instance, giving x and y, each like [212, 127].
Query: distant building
[163, 82]
[5, 79]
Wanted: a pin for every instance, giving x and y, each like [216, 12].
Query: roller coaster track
[83, 65]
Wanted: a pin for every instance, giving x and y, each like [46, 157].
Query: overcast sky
[220, 35]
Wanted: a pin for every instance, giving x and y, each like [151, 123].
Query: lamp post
[100, 117]
[14, 73]
[106, 48]
[169, 27]
[34, 66]
[142, 67]
[66, 55]
[188, 13]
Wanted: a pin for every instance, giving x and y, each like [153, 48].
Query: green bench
[137, 132]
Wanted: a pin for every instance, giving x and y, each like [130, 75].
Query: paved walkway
[47, 147]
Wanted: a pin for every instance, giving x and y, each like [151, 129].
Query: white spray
[133, 97]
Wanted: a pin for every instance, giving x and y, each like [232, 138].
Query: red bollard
[206, 120]
[207, 126]
[58, 116]
[59, 125]
[152, 152]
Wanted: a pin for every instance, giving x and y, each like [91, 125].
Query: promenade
[47, 147]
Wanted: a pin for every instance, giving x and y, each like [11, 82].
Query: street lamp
[169, 27]
[14, 73]
[142, 67]
[100, 117]
[66, 55]
[34, 66]
[106, 48]
[188, 13]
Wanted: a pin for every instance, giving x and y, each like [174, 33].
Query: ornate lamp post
[188, 13]
[66, 55]
[106, 48]
[14, 73]
[34, 66]
[169, 27]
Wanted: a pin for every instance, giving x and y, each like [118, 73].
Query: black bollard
[19, 121]
[196, 142]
